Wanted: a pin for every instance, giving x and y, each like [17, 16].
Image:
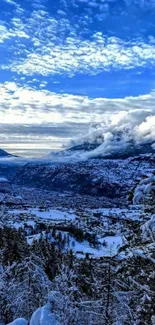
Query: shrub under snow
[144, 188]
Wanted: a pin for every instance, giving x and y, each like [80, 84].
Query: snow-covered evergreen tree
[24, 287]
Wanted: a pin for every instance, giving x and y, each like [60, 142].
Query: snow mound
[43, 316]
[19, 321]
[3, 180]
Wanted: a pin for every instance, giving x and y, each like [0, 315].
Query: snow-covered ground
[109, 236]
[51, 214]
[108, 246]
[70, 215]
[20, 224]
[133, 213]
[30, 239]
[112, 244]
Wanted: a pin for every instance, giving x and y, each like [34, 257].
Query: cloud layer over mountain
[39, 119]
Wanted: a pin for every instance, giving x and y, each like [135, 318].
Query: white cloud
[45, 118]
[145, 4]
[120, 132]
[11, 2]
[31, 105]
[86, 56]
[58, 45]
[6, 33]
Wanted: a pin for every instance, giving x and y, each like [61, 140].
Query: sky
[69, 65]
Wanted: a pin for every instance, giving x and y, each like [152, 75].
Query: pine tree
[14, 246]
[25, 287]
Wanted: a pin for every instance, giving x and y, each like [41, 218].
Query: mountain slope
[4, 154]
[86, 151]
[96, 150]
[9, 163]
[96, 177]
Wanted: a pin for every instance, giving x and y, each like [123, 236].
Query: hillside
[111, 178]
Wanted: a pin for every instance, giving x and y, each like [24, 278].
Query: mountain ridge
[4, 154]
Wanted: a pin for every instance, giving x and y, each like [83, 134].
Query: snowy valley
[77, 241]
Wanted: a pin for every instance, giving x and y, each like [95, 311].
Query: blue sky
[66, 64]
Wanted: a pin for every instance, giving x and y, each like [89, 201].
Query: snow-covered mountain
[97, 149]
[86, 169]
[111, 178]
[4, 153]
[9, 163]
